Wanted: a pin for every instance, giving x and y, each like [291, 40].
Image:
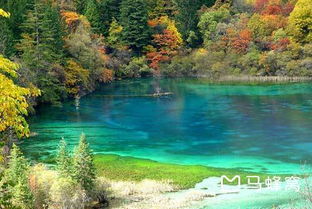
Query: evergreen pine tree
[54, 33]
[158, 8]
[42, 36]
[21, 195]
[93, 15]
[41, 49]
[63, 160]
[15, 191]
[187, 16]
[6, 38]
[18, 10]
[80, 5]
[133, 19]
[10, 30]
[84, 170]
[109, 9]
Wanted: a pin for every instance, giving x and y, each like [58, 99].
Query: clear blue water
[253, 127]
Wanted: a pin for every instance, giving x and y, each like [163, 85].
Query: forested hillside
[259, 37]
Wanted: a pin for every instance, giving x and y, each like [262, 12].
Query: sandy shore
[206, 195]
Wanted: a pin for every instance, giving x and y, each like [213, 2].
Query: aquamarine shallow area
[265, 127]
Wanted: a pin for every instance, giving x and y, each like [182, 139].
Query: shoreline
[205, 194]
[260, 79]
[135, 183]
[265, 78]
[123, 168]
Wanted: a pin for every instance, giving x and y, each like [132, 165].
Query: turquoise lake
[265, 127]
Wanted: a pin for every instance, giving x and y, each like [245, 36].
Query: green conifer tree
[14, 190]
[10, 30]
[6, 38]
[109, 9]
[64, 160]
[80, 5]
[41, 49]
[187, 16]
[93, 15]
[84, 169]
[133, 19]
[158, 8]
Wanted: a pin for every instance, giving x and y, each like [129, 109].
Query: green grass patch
[184, 176]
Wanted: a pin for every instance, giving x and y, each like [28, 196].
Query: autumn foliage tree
[76, 78]
[300, 21]
[241, 41]
[72, 19]
[165, 43]
[13, 101]
[273, 7]
[4, 13]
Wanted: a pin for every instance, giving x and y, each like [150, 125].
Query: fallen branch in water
[142, 95]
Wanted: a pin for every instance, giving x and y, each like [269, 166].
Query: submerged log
[141, 95]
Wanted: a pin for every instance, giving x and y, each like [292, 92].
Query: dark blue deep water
[265, 127]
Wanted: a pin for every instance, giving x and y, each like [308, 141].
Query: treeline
[250, 37]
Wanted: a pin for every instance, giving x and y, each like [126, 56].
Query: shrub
[179, 66]
[41, 181]
[307, 50]
[106, 76]
[136, 68]
[66, 193]
[249, 61]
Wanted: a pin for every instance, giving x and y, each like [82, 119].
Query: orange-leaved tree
[166, 43]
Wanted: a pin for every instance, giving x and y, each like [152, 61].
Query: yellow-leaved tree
[13, 104]
[300, 21]
[4, 13]
[13, 101]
